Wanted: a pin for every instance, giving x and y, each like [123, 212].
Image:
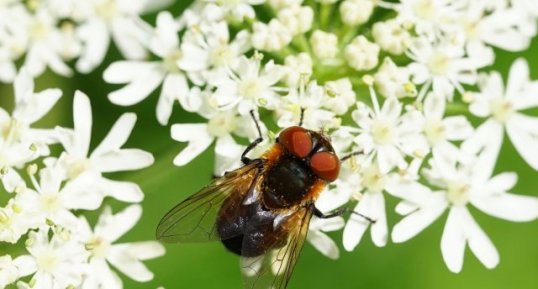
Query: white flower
[143, 77]
[460, 185]
[248, 84]
[441, 66]
[317, 237]
[221, 49]
[428, 16]
[502, 105]
[311, 104]
[125, 257]
[356, 12]
[387, 134]
[324, 44]
[440, 131]
[394, 81]
[41, 39]
[499, 28]
[13, 269]
[362, 54]
[52, 201]
[219, 128]
[372, 205]
[108, 156]
[106, 19]
[58, 262]
[19, 142]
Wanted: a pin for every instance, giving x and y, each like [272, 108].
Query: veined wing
[274, 269]
[194, 219]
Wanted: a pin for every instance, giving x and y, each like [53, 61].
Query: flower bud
[298, 19]
[362, 54]
[356, 12]
[324, 44]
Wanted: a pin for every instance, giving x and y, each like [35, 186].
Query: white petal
[356, 226]
[26, 265]
[24, 86]
[118, 134]
[142, 78]
[486, 141]
[523, 132]
[121, 257]
[517, 78]
[166, 34]
[434, 106]
[122, 160]
[324, 244]
[453, 240]
[512, 207]
[391, 109]
[146, 250]
[129, 34]
[502, 182]
[11, 179]
[96, 45]
[404, 208]
[479, 242]
[416, 222]
[82, 193]
[388, 157]
[82, 118]
[112, 227]
[123, 191]
[50, 180]
[168, 96]
[457, 128]
[198, 137]
[227, 155]
[379, 230]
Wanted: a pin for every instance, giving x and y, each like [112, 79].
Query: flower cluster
[46, 204]
[398, 82]
[50, 33]
[394, 81]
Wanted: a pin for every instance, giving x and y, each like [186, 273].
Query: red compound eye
[326, 165]
[296, 140]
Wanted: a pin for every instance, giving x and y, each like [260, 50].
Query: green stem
[453, 108]
[302, 44]
[325, 16]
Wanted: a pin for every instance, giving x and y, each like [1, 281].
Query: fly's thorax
[299, 166]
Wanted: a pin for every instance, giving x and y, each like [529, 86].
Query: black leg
[346, 157]
[340, 212]
[301, 117]
[253, 144]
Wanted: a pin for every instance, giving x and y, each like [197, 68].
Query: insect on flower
[262, 210]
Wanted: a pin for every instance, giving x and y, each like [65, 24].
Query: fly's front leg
[253, 144]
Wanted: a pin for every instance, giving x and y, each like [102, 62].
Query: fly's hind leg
[340, 212]
[246, 160]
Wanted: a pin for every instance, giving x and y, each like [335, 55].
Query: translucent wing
[273, 269]
[194, 219]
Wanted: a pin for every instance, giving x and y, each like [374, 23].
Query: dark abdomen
[247, 230]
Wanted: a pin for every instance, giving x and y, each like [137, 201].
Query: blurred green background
[415, 264]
